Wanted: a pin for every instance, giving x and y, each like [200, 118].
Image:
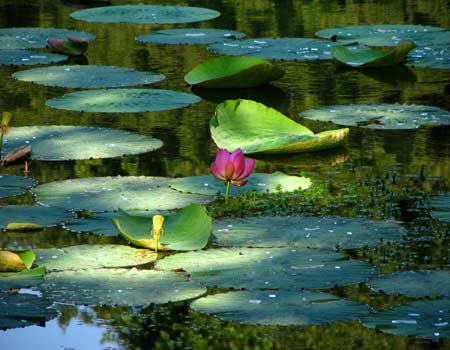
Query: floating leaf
[258, 129]
[15, 261]
[29, 37]
[12, 185]
[422, 319]
[78, 142]
[145, 14]
[27, 58]
[417, 284]
[113, 193]
[304, 231]
[286, 49]
[87, 76]
[233, 72]
[440, 207]
[209, 185]
[22, 279]
[189, 229]
[123, 100]
[190, 36]
[71, 46]
[123, 287]
[277, 268]
[25, 217]
[280, 307]
[380, 116]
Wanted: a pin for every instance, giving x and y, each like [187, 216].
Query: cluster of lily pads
[278, 269]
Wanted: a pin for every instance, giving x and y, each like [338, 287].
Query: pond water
[380, 174]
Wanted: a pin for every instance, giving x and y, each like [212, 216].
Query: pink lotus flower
[232, 168]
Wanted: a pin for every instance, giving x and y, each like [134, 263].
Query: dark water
[419, 158]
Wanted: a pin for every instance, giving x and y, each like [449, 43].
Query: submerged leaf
[12, 185]
[25, 217]
[190, 36]
[23, 279]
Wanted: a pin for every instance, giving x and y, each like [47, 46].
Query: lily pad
[233, 72]
[275, 268]
[120, 287]
[209, 185]
[258, 129]
[285, 49]
[23, 279]
[189, 229]
[93, 256]
[27, 58]
[22, 310]
[304, 231]
[380, 116]
[113, 193]
[15, 261]
[123, 100]
[417, 284]
[78, 142]
[280, 308]
[440, 207]
[190, 36]
[12, 185]
[145, 14]
[89, 76]
[422, 319]
[29, 37]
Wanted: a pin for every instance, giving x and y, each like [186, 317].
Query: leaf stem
[228, 183]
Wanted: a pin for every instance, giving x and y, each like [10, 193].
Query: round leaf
[280, 308]
[27, 58]
[380, 116]
[17, 217]
[190, 36]
[440, 207]
[12, 185]
[23, 279]
[87, 76]
[145, 14]
[123, 100]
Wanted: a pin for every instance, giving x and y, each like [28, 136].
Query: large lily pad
[233, 72]
[89, 76]
[304, 231]
[22, 310]
[440, 207]
[424, 283]
[113, 193]
[23, 279]
[209, 185]
[190, 36]
[118, 287]
[27, 58]
[12, 185]
[380, 116]
[145, 14]
[258, 129]
[286, 49]
[275, 268]
[280, 308]
[189, 229]
[123, 100]
[421, 319]
[78, 142]
[93, 256]
[29, 37]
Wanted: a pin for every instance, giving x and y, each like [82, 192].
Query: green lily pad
[275, 268]
[258, 129]
[29, 37]
[78, 142]
[380, 116]
[209, 185]
[366, 57]
[87, 76]
[190, 36]
[145, 14]
[120, 287]
[285, 49]
[435, 56]
[233, 72]
[304, 231]
[417, 284]
[189, 229]
[22, 310]
[440, 207]
[93, 256]
[280, 308]
[113, 193]
[12, 185]
[422, 319]
[123, 100]
[27, 58]
[23, 279]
